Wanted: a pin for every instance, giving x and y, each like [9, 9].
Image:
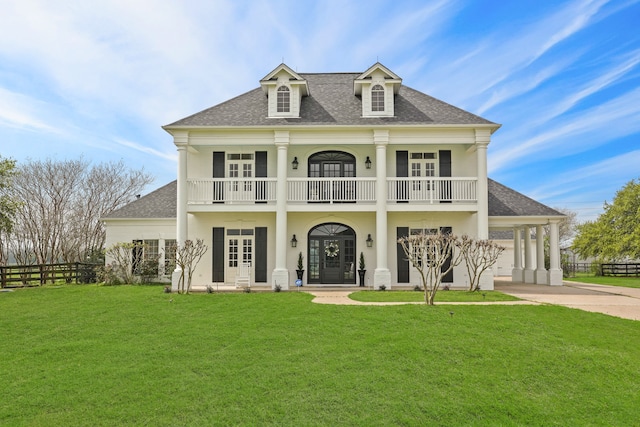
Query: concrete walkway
[611, 300]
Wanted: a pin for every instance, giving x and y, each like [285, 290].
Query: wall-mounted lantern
[294, 164]
[369, 241]
[294, 241]
[367, 163]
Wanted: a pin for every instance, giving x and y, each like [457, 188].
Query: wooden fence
[571, 268]
[628, 269]
[36, 275]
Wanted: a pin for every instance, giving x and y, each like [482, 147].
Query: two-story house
[331, 165]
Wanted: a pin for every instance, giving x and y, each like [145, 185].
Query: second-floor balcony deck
[336, 191]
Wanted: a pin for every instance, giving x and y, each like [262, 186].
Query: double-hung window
[377, 98]
[283, 100]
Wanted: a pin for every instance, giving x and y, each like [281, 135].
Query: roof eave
[492, 126]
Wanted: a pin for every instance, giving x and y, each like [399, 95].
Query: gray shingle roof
[503, 201]
[332, 103]
[160, 203]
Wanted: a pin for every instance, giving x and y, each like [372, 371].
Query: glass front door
[332, 254]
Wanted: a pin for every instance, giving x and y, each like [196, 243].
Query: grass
[132, 355]
[441, 296]
[628, 282]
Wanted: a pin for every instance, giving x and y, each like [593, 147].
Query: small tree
[121, 269]
[429, 253]
[188, 256]
[8, 205]
[478, 255]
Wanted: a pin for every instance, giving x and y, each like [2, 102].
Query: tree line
[50, 210]
[615, 234]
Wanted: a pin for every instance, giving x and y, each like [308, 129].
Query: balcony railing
[231, 190]
[332, 190]
[432, 190]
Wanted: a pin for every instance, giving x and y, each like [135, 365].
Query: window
[170, 248]
[377, 98]
[418, 252]
[283, 100]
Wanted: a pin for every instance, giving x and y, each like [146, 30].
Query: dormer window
[284, 89]
[377, 98]
[377, 88]
[284, 100]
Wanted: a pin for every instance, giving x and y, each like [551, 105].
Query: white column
[381, 275]
[529, 272]
[483, 138]
[181, 201]
[555, 272]
[517, 274]
[541, 272]
[280, 275]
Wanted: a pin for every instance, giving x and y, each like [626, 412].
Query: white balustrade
[332, 190]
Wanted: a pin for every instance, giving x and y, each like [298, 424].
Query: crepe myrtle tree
[478, 255]
[188, 256]
[429, 254]
[121, 269]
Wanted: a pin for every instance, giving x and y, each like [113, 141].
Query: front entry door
[332, 261]
[332, 254]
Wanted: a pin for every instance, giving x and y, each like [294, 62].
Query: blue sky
[99, 78]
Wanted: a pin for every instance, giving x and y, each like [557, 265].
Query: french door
[422, 165]
[240, 250]
[240, 166]
[332, 164]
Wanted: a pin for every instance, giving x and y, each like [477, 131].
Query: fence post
[3, 276]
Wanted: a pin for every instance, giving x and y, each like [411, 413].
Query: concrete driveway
[612, 300]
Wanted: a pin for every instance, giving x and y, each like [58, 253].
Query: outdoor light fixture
[367, 163]
[294, 164]
[369, 241]
[294, 241]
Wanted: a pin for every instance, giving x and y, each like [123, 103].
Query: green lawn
[628, 282]
[441, 296]
[132, 355]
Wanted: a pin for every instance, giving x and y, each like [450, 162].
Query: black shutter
[403, 262]
[402, 171]
[218, 172]
[217, 254]
[261, 254]
[448, 278]
[445, 171]
[261, 172]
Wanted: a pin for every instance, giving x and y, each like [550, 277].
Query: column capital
[281, 137]
[180, 137]
[483, 137]
[381, 136]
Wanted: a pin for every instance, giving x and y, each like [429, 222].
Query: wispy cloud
[582, 178]
[146, 149]
[577, 133]
[500, 55]
[23, 112]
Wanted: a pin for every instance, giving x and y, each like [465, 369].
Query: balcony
[309, 191]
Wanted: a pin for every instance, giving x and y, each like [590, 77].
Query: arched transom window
[284, 100]
[377, 98]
